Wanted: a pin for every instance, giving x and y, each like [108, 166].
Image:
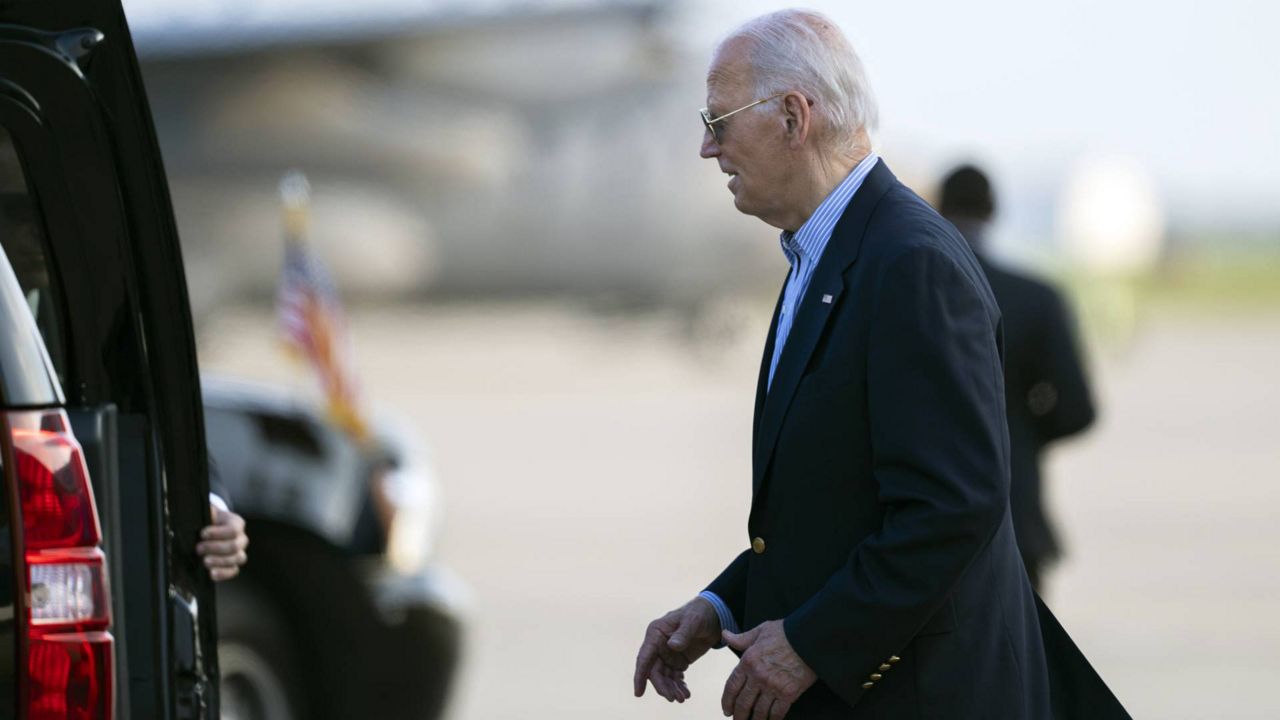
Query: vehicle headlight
[413, 521]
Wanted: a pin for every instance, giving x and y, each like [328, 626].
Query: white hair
[804, 50]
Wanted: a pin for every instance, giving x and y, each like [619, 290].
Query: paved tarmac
[595, 471]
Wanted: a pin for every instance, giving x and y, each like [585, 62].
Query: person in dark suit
[881, 577]
[1046, 388]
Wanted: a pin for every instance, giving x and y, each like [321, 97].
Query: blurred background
[545, 282]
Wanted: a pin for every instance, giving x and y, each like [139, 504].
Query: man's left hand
[769, 677]
[223, 545]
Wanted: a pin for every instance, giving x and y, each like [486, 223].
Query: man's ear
[798, 115]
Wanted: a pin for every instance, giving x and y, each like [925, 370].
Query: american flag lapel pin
[827, 299]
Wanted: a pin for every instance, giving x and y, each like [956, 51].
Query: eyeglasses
[710, 122]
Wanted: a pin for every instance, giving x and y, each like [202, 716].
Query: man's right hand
[671, 644]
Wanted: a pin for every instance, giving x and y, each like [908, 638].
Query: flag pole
[310, 312]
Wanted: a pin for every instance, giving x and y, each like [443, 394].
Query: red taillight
[68, 655]
[69, 676]
[53, 484]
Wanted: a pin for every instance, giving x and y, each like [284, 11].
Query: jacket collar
[823, 295]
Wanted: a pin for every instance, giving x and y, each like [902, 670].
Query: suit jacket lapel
[811, 320]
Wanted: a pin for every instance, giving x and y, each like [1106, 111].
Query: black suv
[104, 605]
[105, 608]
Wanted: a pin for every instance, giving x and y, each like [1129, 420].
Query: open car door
[86, 220]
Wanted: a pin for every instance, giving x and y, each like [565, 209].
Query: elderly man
[881, 578]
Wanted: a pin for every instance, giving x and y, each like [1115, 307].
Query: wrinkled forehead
[729, 75]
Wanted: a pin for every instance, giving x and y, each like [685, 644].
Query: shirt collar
[811, 239]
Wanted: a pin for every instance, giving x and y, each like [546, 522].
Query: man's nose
[710, 148]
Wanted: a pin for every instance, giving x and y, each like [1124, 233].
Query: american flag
[310, 315]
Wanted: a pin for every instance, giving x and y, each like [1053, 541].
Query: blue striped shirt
[804, 247]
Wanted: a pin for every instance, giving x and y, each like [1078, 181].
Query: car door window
[23, 240]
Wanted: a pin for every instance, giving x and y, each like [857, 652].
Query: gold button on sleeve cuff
[868, 685]
[884, 667]
[893, 659]
[876, 676]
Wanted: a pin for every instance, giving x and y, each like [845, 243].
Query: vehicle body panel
[120, 338]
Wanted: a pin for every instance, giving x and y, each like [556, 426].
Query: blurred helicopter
[473, 149]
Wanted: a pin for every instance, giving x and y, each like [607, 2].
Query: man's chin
[746, 207]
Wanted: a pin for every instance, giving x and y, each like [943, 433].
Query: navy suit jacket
[881, 482]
